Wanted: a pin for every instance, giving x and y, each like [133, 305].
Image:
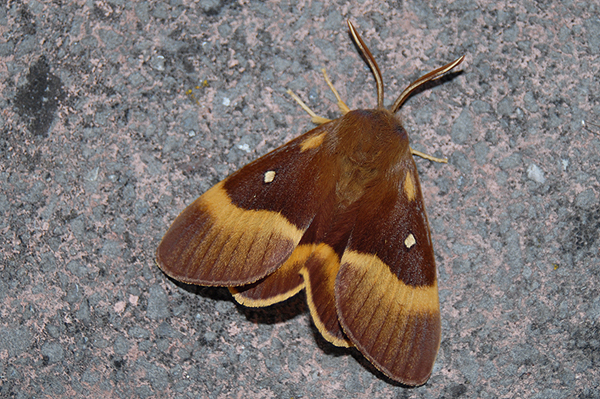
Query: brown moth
[338, 212]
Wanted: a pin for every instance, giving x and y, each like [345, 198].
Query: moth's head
[371, 133]
[376, 121]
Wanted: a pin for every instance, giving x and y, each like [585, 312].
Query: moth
[339, 213]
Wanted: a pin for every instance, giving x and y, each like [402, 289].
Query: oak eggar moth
[338, 212]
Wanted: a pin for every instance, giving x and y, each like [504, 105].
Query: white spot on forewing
[269, 176]
[410, 241]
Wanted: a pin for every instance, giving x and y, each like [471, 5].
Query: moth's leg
[341, 105]
[319, 120]
[429, 157]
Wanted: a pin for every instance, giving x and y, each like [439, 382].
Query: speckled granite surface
[117, 114]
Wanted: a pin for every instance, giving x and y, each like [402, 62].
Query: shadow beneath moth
[338, 212]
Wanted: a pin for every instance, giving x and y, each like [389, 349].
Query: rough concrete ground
[117, 114]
